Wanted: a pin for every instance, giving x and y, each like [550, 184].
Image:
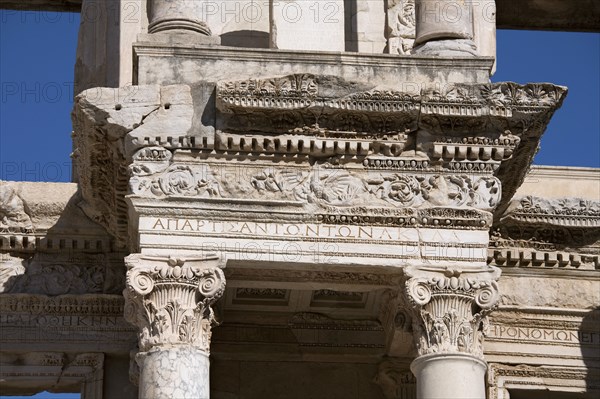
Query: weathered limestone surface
[104, 51]
[243, 23]
[561, 182]
[308, 25]
[551, 292]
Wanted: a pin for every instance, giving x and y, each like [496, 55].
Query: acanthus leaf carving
[323, 186]
[450, 308]
[170, 300]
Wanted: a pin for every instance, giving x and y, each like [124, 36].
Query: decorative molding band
[321, 185]
[169, 299]
[332, 277]
[39, 241]
[565, 212]
[501, 377]
[532, 258]
[283, 104]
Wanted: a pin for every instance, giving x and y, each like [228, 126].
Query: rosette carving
[170, 299]
[450, 308]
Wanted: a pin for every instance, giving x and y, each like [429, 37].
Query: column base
[167, 373]
[179, 24]
[449, 376]
[447, 48]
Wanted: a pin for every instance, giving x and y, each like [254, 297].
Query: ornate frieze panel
[322, 186]
[554, 233]
[170, 299]
[305, 100]
[450, 308]
[61, 275]
[565, 212]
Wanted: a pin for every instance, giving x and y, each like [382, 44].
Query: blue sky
[37, 55]
[46, 395]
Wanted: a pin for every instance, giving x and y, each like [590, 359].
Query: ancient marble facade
[282, 209]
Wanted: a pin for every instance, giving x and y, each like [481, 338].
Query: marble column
[450, 309]
[444, 28]
[178, 15]
[170, 300]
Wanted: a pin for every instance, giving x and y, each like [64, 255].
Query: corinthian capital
[451, 307]
[170, 299]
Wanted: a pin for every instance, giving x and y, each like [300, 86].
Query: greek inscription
[405, 235]
[542, 334]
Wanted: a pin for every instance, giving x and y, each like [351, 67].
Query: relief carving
[401, 28]
[13, 213]
[92, 274]
[451, 308]
[170, 299]
[323, 186]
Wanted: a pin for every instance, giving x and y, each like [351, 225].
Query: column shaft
[178, 15]
[179, 373]
[449, 376]
[444, 28]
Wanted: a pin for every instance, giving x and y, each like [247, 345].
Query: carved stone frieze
[567, 225]
[84, 274]
[450, 308]
[322, 186]
[247, 106]
[170, 299]
[566, 212]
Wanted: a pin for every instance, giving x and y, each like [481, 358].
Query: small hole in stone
[118, 107]
[168, 106]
